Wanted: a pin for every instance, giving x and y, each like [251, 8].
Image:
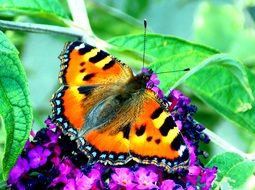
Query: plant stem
[43, 28]
[226, 146]
[81, 20]
[80, 16]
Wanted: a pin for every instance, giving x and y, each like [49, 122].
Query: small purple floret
[167, 184]
[207, 177]
[122, 177]
[146, 179]
[38, 156]
[21, 167]
[153, 83]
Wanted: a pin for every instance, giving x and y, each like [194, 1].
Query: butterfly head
[151, 81]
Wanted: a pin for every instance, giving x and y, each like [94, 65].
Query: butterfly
[114, 115]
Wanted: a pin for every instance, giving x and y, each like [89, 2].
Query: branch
[80, 16]
[43, 28]
[81, 20]
[228, 147]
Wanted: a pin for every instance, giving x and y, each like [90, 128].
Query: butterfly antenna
[144, 39]
[187, 69]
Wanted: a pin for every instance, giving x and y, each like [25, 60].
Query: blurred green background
[222, 24]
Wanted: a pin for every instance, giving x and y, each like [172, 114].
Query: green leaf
[218, 25]
[2, 143]
[245, 39]
[15, 106]
[233, 170]
[223, 92]
[224, 162]
[230, 34]
[45, 8]
[103, 15]
[218, 79]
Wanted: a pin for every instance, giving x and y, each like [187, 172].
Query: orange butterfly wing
[150, 137]
[155, 138]
[83, 64]
[84, 69]
[140, 129]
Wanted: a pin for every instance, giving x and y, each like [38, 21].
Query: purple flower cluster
[52, 161]
[153, 82]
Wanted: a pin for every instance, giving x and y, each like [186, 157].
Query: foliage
[220, 81]
[15, 107]
[229, 166]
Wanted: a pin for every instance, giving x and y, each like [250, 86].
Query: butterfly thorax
[137, 83]
[118, 101]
